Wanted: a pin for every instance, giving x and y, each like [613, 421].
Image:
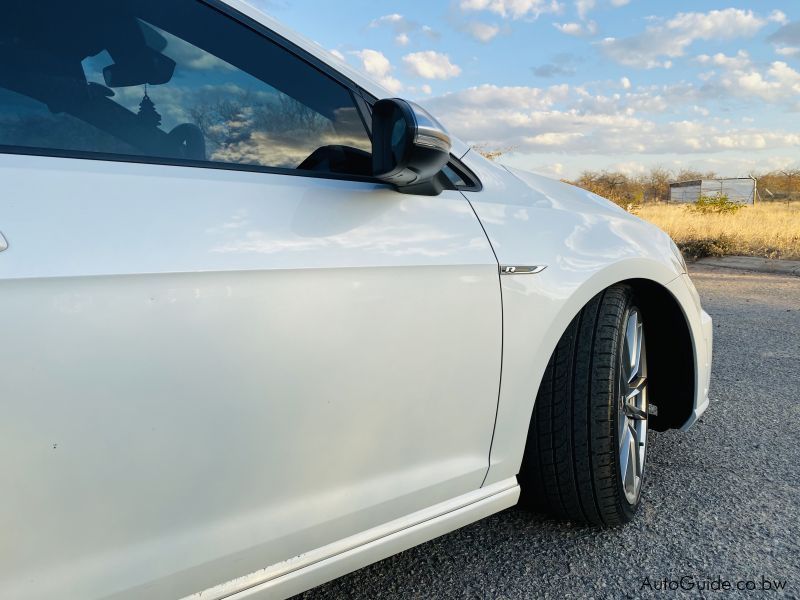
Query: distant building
[741, 190]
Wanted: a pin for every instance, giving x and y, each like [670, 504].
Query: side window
[168, 80]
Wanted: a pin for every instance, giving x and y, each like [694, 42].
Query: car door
[211, 360]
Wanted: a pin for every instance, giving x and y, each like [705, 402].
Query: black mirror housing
[409, 146]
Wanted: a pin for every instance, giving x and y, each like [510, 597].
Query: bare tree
[790, 176]
[233, 120]
[693, 175]
[656, 185]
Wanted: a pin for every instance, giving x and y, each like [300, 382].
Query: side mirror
[409, 147]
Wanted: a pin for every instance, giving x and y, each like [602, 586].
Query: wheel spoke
[623, 426]
[629, 477]
[638, 383]
[635, 449]
[625, 457]
[632, 339]
[635, 406]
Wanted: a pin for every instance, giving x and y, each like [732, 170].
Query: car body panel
[206, 372]
[587, 244]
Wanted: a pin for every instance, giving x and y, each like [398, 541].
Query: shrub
[696, 248]
[719, 204]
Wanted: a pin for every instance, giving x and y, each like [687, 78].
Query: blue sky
[568, 85]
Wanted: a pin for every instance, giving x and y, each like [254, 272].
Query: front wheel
[587, 443]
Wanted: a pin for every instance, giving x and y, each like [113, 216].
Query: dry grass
[770, 230]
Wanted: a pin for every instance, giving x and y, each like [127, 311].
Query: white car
[263, 324]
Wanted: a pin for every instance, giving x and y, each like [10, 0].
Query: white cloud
[431, 65]
[577, 29]
[393, 19]
[629, 168]
[788, 50]
[725, 24]
[625, 83]
[569, 28]
[532, 120]
[554, 170]
[374, 62]
[483, 32]
[725, 162]
[515, 9]
[739, 76]
[551, 138]
[378, 66]
[778, 82]
[416, 91]
[741, 60]
[778, 16]
[672, 38]
[403, 28]
[338, 55]
[619, 3]
[508, 98]
[584, 6]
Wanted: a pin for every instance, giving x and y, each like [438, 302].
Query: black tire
[571, 468]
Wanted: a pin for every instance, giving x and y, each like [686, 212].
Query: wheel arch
[671, 370]
[669, 339]
[671, 352]
[671, 361]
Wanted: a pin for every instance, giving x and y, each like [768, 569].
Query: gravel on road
[721, 503]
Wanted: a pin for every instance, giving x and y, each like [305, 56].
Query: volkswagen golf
[264, 323]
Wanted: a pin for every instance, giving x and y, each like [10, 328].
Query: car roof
[358, 77]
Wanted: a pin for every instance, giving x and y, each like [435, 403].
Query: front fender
[587, 245]
[536, 311]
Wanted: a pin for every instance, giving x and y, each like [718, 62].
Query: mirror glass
[399, 135]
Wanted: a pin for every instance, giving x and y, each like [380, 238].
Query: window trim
[180, 162]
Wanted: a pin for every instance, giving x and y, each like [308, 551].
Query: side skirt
[344, 556]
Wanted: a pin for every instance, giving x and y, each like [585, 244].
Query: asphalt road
[722, 502]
